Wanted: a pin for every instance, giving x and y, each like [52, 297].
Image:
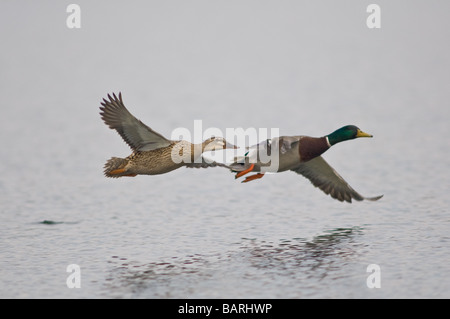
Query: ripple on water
[252, 262]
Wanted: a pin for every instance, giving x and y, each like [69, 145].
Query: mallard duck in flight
[302, 154]
[152, 153]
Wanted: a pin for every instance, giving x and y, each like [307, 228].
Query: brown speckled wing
[323, 176]
[136, 134]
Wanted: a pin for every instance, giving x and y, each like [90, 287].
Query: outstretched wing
[323, 176]
[136, 134]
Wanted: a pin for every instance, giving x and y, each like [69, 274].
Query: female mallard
[152, 153]
[301, 154]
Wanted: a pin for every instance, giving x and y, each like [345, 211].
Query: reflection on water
[316, 257]
[288, 258]
[154, 279]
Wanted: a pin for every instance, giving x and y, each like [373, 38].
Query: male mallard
[301, 154]
[152, 153]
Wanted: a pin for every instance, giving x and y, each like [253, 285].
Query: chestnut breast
[311, 147]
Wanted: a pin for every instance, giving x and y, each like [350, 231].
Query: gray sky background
[225, 62]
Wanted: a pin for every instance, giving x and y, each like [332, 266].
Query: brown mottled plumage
[152, 153]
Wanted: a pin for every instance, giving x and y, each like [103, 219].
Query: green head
[345, 133]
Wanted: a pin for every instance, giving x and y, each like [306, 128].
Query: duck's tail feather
[238, 166]
[115, 167]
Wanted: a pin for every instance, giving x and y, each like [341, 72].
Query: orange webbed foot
[253, 177]
[248, 170]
